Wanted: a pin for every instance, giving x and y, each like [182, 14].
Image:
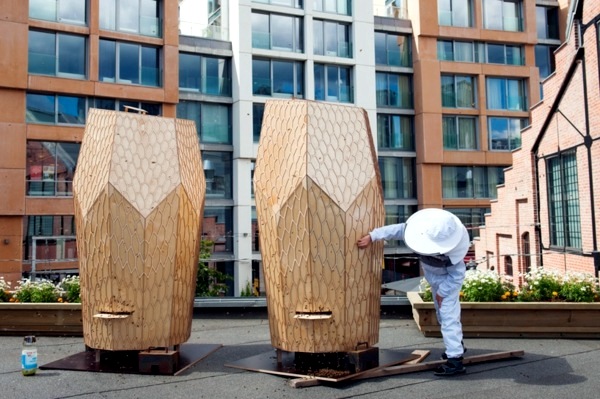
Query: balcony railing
[390, 11]
[188, 28]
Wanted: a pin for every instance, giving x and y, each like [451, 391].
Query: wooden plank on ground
[412, 368]
[308, 381]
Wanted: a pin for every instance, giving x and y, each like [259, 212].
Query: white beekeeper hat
[436, 231]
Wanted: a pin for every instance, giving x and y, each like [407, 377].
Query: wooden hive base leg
[363, 359]
[159, 361]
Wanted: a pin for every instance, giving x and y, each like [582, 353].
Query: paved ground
[550, 368]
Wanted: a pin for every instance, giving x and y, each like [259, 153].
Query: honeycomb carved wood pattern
[317, 191]
[139, 197]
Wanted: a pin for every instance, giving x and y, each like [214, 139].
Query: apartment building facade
[447, 90]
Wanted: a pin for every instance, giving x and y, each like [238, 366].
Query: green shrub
[541, 286]
[579, 288]
[70, 287]
[36, 291]
[483, 286]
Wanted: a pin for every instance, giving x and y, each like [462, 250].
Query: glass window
[57, 54]
[503, 15]
[471, 181]
[544, 60]
[333, 83]
[472, 218]
[395, 132]
[449, 50]
[60, 246]
[506, 94]
[129, 63]
[460, 132]
[398, 177]
[258, 110]
[547, 22]
[343, 7]
[458, 91]
[277, 32]
[278, 78]
[286, 3]
[455, 13]
[217, 226]
[505, 133]
[504, 54]
[213, 120]
[563, 201]
[218, 173]
[397, 214]
[63, 11]
[55, 109]
[394, 90]
[392, 49]
[119, 105]
[131, 16]
[332, 39]
[50, 168]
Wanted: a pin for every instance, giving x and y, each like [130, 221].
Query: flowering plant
[42, 290]
[539, 286]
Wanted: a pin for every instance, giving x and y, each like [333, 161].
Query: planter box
[514, 319]
[43, 319]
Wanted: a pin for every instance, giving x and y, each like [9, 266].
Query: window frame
[501, 8]
[386, 132]
[340, 96]
[298, 84]
[49, 168]
[398, 177]
[563, 202]
[221, 165]
[384, 92]
[341, 7]
[56, 108]
[297, 32]
[344, 46]
[203, 78]
[36, 225]
[112, 10]
[513, 143]
[478, 182]
[58, 37]
[506, 104]
[383, 49]
[454, 7]
[454, 77]
[456, 123]
[36, 6]
[505, 56]
[118, 66]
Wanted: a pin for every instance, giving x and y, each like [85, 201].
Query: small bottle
[29, 356]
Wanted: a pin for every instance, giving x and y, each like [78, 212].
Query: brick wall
[516, 212]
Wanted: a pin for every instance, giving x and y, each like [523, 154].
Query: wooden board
[412, 368]
[312, 381]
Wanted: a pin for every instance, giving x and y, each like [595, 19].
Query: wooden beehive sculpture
[139, 197]
[318, 190]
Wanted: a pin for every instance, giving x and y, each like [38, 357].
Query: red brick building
[547, 210]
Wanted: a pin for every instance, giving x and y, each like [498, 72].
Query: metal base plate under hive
[135, 362]
[327, 367]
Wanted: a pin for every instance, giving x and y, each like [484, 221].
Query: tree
[210, 281]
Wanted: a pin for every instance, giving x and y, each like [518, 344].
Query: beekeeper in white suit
[441, 241]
